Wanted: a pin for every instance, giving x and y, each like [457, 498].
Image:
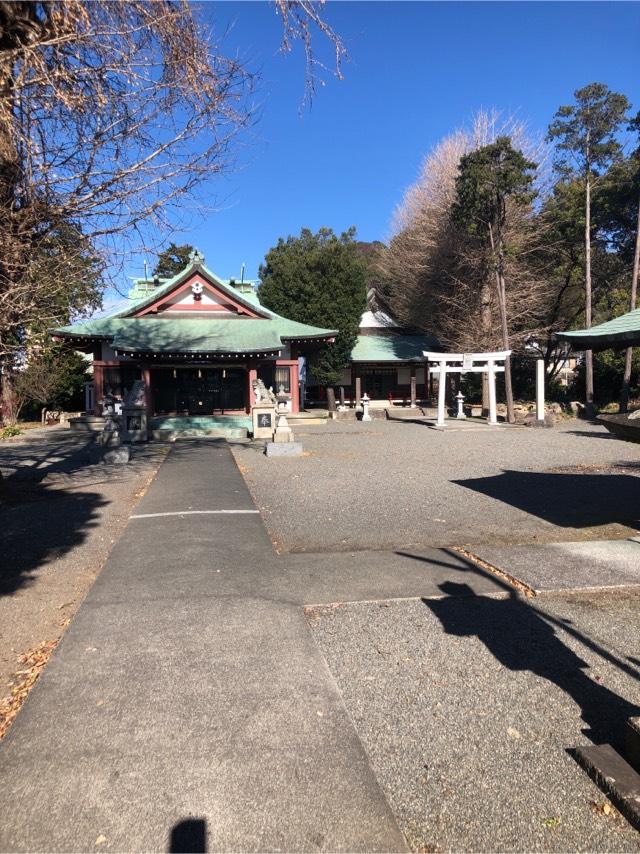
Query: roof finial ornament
[196, 257]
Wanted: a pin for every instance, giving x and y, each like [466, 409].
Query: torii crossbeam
[466, 363]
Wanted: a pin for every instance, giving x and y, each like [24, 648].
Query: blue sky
[416, 72]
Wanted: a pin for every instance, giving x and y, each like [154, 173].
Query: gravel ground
[467, 705]
[389, 484]
[60, 513]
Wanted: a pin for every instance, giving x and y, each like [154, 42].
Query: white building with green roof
[387, 363]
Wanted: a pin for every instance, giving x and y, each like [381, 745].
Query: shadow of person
[189, 837]
[518, 636]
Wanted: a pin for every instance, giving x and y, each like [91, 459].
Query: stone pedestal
[283, 433]
[134, 425]
[283, 449]
[110, 436]
[134, 414]
[283, 444]
[117, 456]
[263, 416]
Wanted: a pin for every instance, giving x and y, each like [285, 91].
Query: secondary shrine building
[198, 342]
[387, 362]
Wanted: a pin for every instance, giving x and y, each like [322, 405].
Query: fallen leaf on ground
[26, 677]
[604, 808]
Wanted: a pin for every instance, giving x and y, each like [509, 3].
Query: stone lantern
[365, 407]
[134, 414]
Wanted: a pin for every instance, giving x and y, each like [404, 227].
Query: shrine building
[387, 362]
[198, 342]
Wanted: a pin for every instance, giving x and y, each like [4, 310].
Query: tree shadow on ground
[521, 639]
[566, 500]
[59, 455]
[47, 505]
[420, 420]
[592, 434]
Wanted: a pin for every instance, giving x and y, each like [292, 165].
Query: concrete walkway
[557, 567]
[188, 707]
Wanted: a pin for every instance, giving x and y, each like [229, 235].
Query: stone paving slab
[202, 481]
[568, 566]
[192, 704]
[301, 579]
[377, 575]
[222, 710]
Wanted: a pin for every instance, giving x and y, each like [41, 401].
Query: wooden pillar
[442, 389]
[294, 385]
[98, 388]
[491, 376]
[252, 375]
[413, 388]
[148, 391]
[358, 391]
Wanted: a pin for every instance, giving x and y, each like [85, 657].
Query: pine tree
[172, 260]
[586, 144]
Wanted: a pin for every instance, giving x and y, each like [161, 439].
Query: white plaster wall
[404, 376]
[186, 298]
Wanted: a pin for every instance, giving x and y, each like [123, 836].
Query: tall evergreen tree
[319, 279]
[585, 135]
[624, 399]
[618, 215]
[489, 179]
[172, 260]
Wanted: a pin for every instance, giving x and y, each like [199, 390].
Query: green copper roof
[145, 292]
[623, 331]
[193, 334]
[392, 348]
[196, 334]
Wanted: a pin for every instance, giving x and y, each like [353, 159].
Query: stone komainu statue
[262, 393]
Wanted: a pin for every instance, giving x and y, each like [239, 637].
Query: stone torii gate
[463, 363]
